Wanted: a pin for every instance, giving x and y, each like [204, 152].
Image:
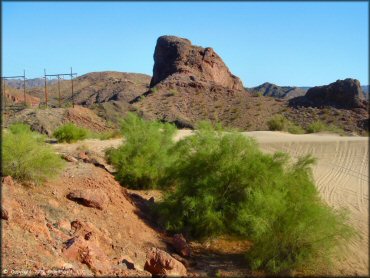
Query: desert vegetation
[141, 162]
[223, 184]
[218, 182]
[26, 157]
[71, 133]
[318, 126]
[279, 122]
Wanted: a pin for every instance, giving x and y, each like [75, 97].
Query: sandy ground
[341, 174]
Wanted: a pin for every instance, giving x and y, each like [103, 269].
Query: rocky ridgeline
[340, 94]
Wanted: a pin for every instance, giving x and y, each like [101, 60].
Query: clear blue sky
[286, 43]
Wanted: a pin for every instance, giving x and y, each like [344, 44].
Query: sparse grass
[154, 90]
[141, 162]
[295, 129]
[172, 92]
[280, 123]
[26, 157]
[319, 126]
[105, 135]
[222, 184]
[71, 133]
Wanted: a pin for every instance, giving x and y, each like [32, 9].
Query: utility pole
[4, 78]
[58, 75]
[60, 104]
[24, 87]
[3, 95]
[46, 92]
[73, 101]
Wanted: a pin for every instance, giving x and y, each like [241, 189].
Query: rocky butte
[177, 60]
[345, 93]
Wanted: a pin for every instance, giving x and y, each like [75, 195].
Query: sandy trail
[341, 174]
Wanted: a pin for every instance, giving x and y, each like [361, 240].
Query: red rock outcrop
[177, 58]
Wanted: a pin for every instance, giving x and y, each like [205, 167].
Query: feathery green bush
[26, 157]
[223, 184]
[70, 133]
[142, 160]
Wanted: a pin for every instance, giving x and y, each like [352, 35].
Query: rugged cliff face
[176, 58]
[342, 94]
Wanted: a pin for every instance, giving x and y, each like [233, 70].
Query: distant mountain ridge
[30, 83]
[288, 92]
[271, 90]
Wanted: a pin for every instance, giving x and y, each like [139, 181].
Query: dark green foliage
[26, 157]
[223, 184]
[70, 133]
[142, 160]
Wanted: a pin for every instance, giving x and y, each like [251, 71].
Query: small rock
[87, 252]
[8, 180]
[64, 224]
[83, 156]
[159, 262]
[69, 158]
[4, 214]
[88, 235]
[76, 226]
[88, 198]
[180, 245]
[67, 266]
[128, 262]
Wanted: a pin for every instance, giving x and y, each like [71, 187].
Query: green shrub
[222, 184]
[278, 122]
[295, 129]
[18, 128]
[70, 133]
[316, 126]
[26, 157]
[319, 126]
[105, 135]
[142, 160]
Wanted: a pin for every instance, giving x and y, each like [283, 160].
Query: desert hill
[272, 90]
[107, 93]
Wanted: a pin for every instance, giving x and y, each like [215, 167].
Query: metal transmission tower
[4, 78]
[58, 75]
